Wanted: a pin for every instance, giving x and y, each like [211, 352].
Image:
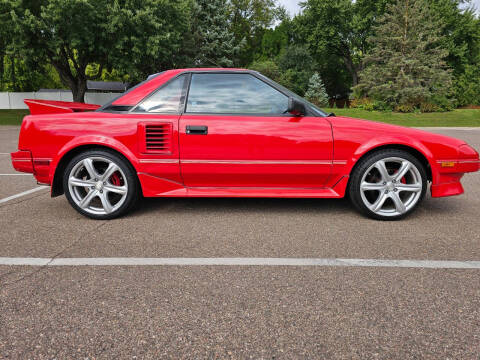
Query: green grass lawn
[459, 117]
[12, 117]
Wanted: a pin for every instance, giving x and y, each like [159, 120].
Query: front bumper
[449, 173]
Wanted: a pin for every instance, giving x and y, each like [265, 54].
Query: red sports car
[230, 133]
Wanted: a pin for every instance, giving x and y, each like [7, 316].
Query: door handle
[196, 130]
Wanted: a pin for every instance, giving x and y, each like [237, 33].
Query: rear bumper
[23, 161]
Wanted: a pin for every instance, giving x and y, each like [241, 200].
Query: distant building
[106, 86]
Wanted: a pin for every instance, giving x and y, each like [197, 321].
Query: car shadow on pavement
[242, 205]
[429, 207]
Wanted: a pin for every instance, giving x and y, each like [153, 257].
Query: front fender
[397, 140]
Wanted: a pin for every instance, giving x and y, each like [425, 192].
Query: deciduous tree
[339, 28]
[249, 21]
[136, 37]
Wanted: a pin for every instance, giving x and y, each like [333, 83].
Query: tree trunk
[78, 90]
[77, 84]
[352, 69]
[13, 77]
[2, 68]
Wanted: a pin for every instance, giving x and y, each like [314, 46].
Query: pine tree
[316, 92]
[406, 66]
[215, 44]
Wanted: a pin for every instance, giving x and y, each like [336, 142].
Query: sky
[293, 7]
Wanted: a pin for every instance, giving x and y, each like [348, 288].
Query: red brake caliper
[115, 179]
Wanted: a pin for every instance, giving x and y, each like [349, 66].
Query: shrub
[316, 92]
[405, 108]
[428, 107]
[370, 104]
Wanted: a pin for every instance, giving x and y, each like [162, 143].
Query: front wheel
[388, 184]
[100, 184]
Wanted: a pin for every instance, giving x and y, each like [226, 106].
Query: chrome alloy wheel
[391, 186]
[97, 185]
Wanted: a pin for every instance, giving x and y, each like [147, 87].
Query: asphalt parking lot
[237, 311]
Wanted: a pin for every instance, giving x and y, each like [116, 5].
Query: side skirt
[157, 187]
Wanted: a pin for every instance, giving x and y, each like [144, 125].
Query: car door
[235, 133]
[157, 118]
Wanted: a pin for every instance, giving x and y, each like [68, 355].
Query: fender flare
[90, 140]
[385, 141]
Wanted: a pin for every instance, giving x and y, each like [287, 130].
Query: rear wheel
[100, 184]
[388, 184]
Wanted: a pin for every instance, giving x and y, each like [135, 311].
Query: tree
[467, 86]
[5, 38]
[339, 28]
[275, 40]
[135, 36]
[68, 34]
[406, 66]
[316, 92]
[461, 37]
[151, 36]
[215, 43]
[249, 21]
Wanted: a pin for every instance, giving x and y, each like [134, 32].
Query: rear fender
[92, 141]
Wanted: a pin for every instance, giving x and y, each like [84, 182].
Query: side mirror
[296, 107]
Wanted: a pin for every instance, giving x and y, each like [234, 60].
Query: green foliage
[249, 21]
[428, 107]
[27, 78]
[316, 92]
[150, 36]
[137, 37]
[337, 31]
[406, 66]
[274, 41]
[460, 33]
[215, 43]
[370, 104]
[268, 68]
[69, 34]
[296, 65]
[467, 86]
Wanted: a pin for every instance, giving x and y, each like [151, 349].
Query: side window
[166, 99]
[234, 94]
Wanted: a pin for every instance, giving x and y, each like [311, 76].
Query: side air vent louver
[158, 138]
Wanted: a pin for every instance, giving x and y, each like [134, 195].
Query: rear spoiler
[38, 107]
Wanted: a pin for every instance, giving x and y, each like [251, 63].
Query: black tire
[365, 164]
[127, 176]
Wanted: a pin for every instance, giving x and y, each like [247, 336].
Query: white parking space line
[15, 174]
[312, 262]
[4, 153]
[4, 200]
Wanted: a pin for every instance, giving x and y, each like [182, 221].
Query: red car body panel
[254, 156]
